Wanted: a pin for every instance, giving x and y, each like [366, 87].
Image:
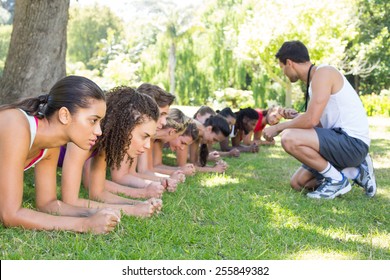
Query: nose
[147, 144]
[98, 130]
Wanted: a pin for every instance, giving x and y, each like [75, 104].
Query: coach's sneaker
[366, 177]
[329, 190]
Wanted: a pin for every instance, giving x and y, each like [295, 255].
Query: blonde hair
[177, 120]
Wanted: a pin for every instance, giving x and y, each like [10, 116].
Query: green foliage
[192, 83]
[370, 52]
[231, 44]
[91, 31]
[377, 105]
[154, 60]
[222, 20]
[319, 24]
[232, 98]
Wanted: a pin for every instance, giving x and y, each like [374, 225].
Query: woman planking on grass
[215, 129]
[246, 120]
[190, 135]
[130, 121]
[177, 124]
[228, 114]
[31, 133]
[270, 116]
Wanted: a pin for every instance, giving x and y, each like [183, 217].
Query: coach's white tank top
[33, 122]
[345, 110]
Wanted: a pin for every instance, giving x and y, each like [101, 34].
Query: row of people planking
[78, 127]
[84, 131]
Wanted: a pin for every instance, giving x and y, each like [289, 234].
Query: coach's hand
[270, 132]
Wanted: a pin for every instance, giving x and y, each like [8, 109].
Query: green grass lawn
[250, 212]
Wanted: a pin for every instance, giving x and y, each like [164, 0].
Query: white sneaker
[329, 190]
[366, 177]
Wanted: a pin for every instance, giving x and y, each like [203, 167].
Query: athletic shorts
[340, 149]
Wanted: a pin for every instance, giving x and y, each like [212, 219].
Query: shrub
[233, 98]
[377, 105]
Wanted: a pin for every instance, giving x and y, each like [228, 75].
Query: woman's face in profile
[141, 136]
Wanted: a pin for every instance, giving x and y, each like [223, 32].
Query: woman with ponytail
[32, 131]
[215, 129]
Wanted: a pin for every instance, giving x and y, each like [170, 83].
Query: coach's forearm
[303, 121]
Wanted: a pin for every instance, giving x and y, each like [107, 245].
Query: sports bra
[232, 134]
[33, 122]
[259, 126]
[61, 157]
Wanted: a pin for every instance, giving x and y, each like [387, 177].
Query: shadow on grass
[255, 215]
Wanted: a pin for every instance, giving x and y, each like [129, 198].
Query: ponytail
[72, 92]
[32, 106]
[203, 154]
[219, 125]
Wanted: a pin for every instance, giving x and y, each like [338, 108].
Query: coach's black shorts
[340, 149]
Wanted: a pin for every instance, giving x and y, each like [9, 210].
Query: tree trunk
[172, 67]
[288, 100]
[36, 57]
[357, 83]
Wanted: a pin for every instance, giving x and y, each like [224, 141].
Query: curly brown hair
[126, 108]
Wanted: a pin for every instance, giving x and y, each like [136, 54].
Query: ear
[171, 131]
[64, 115]
[289, 62]
[209, 128]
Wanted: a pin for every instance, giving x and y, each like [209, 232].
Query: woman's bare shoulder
[13, 121]
[11, 115]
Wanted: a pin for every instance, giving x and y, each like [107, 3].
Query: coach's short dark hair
[293, 50]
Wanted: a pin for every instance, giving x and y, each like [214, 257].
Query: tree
[36, 57]
[174, 24]
[320, 25]
[88, 27]
[369, 53]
